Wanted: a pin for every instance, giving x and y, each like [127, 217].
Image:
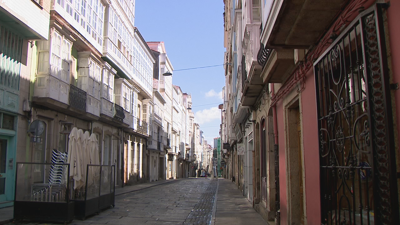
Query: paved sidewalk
[7, 214]
[220, 203]
[233, 208]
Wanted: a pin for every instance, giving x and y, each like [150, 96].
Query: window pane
[8, 122]
[106, 153]
[3, 156]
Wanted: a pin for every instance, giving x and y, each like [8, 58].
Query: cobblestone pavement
[186, 202]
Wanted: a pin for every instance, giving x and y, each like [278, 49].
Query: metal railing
[142, 127]
[168, 142]
[77, 98]
[119, 113]
[263, 55]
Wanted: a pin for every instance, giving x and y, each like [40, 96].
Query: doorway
[294, 165]
[6, 171]
[263, 163]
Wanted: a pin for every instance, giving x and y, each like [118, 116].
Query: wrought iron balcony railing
[77, 98]
[263, 55]
[244, 72]
[142, 127]
[119, 113]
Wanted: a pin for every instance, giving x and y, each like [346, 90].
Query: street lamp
[166, 74]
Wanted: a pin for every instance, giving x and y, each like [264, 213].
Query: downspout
[274, 115]
[121, 160]
[276, 150]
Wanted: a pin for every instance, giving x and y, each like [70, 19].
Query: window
[94, 79]
[138, 112]
[65, 130]
[126, 92]
[83, 8]
[66, 60]
[43, 57]
[348, 77]
[107, 150]
[69, 7]
[145, 113]
[56, 50]
[60, 57]
[77, 9]
[61, 3]
[88, 13]
[133, 102]
[7, 121]
[108, 84]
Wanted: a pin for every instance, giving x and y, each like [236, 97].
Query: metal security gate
[357, 167]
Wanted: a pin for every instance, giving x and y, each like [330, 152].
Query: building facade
[20, 27]
[310, 109]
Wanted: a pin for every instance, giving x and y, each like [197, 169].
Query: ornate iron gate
[357, 167]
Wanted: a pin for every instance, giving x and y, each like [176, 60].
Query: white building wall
[33, 17]
[88, 18]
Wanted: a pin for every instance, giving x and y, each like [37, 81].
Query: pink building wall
[394, 35]
[311, 155]
[311, 152]
[309, 124]
[282, 162]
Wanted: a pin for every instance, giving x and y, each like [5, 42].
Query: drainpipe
[276, 150]
[274, 116]
[120, 160]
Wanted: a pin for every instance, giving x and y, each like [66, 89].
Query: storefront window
[107, 150]
[65, 130]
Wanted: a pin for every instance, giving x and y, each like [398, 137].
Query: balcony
[251, 48]
[119, 61]
[107, 108]
[278, 66]
[128, 120]
[141, 127]
[180, 157]
[157, 119]
[231, 134]
[119, 114]
[299, 23]
[30, 20]
[252, 83]
[116, 58]
[175, 126]
[77, 98]
[51, 91]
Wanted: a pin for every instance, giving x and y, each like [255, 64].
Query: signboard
[240, 149]
[226, 146]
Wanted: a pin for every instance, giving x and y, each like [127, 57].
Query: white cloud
[207, 115]
[212, 93]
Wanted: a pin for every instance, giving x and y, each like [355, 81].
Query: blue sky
[193, 33]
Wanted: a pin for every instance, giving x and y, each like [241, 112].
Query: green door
[6, 171]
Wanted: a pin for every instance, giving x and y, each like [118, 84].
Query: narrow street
[186, 201]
